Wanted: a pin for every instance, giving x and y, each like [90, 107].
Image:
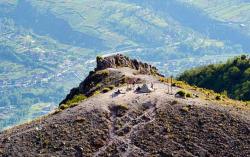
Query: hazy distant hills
[47, 47]
[234, 13]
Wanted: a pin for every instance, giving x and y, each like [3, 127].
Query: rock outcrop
[105, 76]
[120, 60]
[132, 124]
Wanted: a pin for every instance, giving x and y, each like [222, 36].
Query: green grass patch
[73, 102]
[181, 93]
[105, 90]
[103, 72]
[184, 94]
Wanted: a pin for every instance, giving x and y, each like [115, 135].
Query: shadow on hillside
[47, 23]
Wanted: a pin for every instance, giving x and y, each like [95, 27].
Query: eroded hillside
[43, 44]
[132, 123]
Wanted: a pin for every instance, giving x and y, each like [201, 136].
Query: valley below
[46, 47]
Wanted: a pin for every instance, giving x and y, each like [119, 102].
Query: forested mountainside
[231, 78]
[43, 44]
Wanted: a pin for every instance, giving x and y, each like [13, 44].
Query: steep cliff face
[130, 123]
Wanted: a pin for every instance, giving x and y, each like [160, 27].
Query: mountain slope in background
[233, 13]
[133, 123]
[43, 44]
[231, 78]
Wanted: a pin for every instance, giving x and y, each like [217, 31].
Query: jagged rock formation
[105, 76]
[119, 60]
[134, 124]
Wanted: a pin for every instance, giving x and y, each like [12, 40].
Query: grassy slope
[234, 12]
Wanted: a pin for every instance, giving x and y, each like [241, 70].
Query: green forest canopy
[231, 78]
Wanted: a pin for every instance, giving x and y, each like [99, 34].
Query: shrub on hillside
[189, 95]
[181, 93]
[73, 102]
[218, 97]
[111, 87]
[105, 90]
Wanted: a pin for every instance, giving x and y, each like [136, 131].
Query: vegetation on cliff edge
[231, 78]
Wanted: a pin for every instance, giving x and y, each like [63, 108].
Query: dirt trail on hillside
[135, 124]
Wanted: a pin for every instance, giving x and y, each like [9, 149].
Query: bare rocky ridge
[117, 61]
[133, 124]
[100, 78]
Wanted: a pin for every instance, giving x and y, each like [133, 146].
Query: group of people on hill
[145, 88]
[139, 89]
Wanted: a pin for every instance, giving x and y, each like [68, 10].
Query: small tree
[181, 93]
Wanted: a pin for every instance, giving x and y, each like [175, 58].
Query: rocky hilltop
[107, 116]
[119, 60]
[104, 75]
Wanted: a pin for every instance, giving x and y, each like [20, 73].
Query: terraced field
[235, 13]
